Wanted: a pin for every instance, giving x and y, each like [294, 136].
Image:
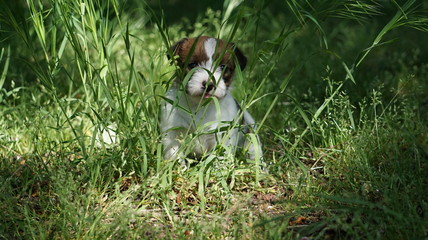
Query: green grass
[338, 88]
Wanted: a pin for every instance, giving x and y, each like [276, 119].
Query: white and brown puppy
[200, 105]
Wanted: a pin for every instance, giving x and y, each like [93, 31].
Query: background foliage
[338, 88]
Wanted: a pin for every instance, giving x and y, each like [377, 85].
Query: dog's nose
[209, 87]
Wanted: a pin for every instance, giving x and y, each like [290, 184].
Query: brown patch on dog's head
[192, 51]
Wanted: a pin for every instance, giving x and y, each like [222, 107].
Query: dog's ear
[173, 50]
[242, 60]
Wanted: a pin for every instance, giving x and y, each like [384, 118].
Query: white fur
[178, 125]
[204, 72]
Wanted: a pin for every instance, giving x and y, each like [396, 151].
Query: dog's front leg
[172, 145]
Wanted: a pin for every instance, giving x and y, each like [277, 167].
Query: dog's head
[212, 63]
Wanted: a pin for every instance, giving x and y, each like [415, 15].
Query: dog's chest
[203, 125]
[206, 115]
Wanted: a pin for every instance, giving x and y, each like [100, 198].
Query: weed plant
[338, 89]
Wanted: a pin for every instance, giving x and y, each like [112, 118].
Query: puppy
[199, 112]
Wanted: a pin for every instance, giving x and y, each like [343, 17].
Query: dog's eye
[192, 65]
[222, 67]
